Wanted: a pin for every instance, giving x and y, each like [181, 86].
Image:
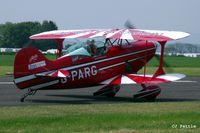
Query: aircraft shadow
[88, 99]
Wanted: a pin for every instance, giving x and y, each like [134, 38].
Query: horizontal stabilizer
[141, 79]
[58, 73]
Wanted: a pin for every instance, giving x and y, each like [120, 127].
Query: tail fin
[29, 61]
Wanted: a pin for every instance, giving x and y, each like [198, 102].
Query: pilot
[92, 47]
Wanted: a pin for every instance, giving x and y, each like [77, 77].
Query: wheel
[22, 100]
[148, 93]
[108, 91]
[110, 95]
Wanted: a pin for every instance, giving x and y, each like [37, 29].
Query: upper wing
[141, 79]
[132, 34]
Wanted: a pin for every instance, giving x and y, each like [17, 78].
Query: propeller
[129, 25]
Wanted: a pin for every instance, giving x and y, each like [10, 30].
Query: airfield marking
[6, 83]
[185, 81]
[179, 81]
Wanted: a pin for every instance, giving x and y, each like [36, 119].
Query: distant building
[9, 49]
[192, 54]
[51, 51]
[182, 54]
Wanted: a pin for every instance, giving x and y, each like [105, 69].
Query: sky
[180, 15]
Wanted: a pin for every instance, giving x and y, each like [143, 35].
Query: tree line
[16, 35]
[182, 48]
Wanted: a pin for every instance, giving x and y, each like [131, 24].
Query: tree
[182, 48]
[16, 35]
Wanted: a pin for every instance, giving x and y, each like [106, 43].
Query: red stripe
[34, 82]
[118, 34]
[146, 80]
[117, 80]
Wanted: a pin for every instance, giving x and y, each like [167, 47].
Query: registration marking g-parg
[81, 74]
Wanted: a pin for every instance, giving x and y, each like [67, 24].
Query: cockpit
[89, 48]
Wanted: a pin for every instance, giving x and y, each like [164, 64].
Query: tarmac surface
[187, 89]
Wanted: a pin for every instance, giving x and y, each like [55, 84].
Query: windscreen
[88, 48]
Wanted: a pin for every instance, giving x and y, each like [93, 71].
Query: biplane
[114, 61]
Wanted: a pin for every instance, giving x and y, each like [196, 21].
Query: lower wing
[143, 79]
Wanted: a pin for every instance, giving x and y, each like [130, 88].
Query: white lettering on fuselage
[74, 74]
[79, 74]
[63, 80]
[33, 58]
[36, 65]
[94, 70]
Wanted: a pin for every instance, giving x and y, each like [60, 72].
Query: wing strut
[145, 60]
[160, 70]
[59, 50]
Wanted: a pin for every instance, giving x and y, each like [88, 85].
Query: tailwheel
[148, 93]
[108, 91]
[30, 92]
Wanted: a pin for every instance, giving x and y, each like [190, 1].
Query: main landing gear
[30, 92]
[108, 91]
[147, 93]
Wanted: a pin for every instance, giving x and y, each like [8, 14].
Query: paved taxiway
[187, 89]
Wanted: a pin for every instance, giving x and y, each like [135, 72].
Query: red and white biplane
[111, 62]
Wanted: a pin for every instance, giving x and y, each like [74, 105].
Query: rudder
[29, 61]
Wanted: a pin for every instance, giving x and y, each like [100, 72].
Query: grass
[177, 61]
[125, 117]
[5, 69]
[7, 62]
[8, 59]
[172, 61]
[192, 72]
[188, 71]
[177, 64]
